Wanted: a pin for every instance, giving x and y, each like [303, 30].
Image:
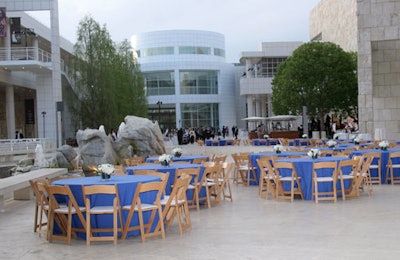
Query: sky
[244, 23]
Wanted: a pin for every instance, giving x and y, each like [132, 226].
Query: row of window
[191, 82]
[182, 50]
[192, 115]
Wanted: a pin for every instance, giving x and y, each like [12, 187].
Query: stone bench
[20, 187]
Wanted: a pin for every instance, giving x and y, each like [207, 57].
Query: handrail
[26, 145]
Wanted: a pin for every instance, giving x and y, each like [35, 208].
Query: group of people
[191, 135]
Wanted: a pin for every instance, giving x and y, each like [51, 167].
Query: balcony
[25, 59]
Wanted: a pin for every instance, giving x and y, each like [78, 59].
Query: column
[10, 112]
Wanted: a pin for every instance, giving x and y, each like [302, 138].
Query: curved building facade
[187, 81]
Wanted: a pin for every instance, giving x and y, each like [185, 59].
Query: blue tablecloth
[179, 159]
[221, 142]
[304, 168]
[255, 156]
[126, 189]
[171, 168]
[384, 161]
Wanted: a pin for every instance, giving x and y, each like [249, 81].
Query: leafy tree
[320, 76]
[108, 83]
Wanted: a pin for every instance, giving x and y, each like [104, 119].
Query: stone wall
[379, 66]
[335, 21]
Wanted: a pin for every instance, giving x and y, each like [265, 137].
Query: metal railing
[25, 146]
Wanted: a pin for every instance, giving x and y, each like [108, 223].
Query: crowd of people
[191, 135]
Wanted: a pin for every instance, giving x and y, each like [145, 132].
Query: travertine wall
[379, 66]
[335, 21]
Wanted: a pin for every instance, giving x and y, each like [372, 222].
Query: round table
[126, 184]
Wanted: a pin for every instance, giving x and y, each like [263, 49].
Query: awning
[254, 118]
[282, 118]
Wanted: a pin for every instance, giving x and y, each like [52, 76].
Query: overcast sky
[245, 23]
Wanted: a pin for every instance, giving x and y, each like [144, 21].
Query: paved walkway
[247, 228]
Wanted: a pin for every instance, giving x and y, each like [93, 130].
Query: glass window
[269, 66]
[159, 83]
[199, 115]
[198, 82]
[157, 51]
[219, 52]
[194, 50]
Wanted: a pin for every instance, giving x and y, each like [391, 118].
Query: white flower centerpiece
[165, 159]
[331, 143]
[278, 148]
[384, 145]
[177, 152]
[105, 171]
[304, 136]
[314, 153]
[266, 136]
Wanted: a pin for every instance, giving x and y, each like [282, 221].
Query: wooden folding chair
[193, 186]
[267, 181]
[210, 184]
[319, 177]
[392, 165]
[292, 178]
[177, 205]
[375, 166]
[64, 212]
[154, 207]
[346, 171]
[38, 221]
[114, 210]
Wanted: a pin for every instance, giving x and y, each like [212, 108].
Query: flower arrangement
[383, 145]
[357, 140]
[314, 153]
[105, 170]
[331, 143]
[266, 136]
[304, 136]
[278, 148]
[177, 152]
[165, 159]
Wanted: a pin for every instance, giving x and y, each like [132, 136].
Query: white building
[33, 70]
[188, 83]
[260, 69]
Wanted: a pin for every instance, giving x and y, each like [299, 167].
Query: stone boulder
[139, 136]
[67, 157]
[95, 148]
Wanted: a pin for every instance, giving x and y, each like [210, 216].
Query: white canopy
[282, 118]
[254, 118]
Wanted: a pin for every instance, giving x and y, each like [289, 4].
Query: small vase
[314, 157]
[165, 163]
[177, 155]
[105, 177]
[332, 146]
[278, 151]
[384, 148]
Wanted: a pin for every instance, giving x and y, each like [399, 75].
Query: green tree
[320, 76]
[108, 83]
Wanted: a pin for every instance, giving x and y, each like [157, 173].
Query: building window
[199, 115]
[156, 51]
[159, 83]
[219, 52]
[269, 66]
[198, 82]
[194, 50]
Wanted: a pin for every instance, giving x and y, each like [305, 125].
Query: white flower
[304, 136]
[383, 144]
[165, 158]
[278, 147]
[105, 168]
[331, 143]
[177, 150]
[266, 136]
[313, 152]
